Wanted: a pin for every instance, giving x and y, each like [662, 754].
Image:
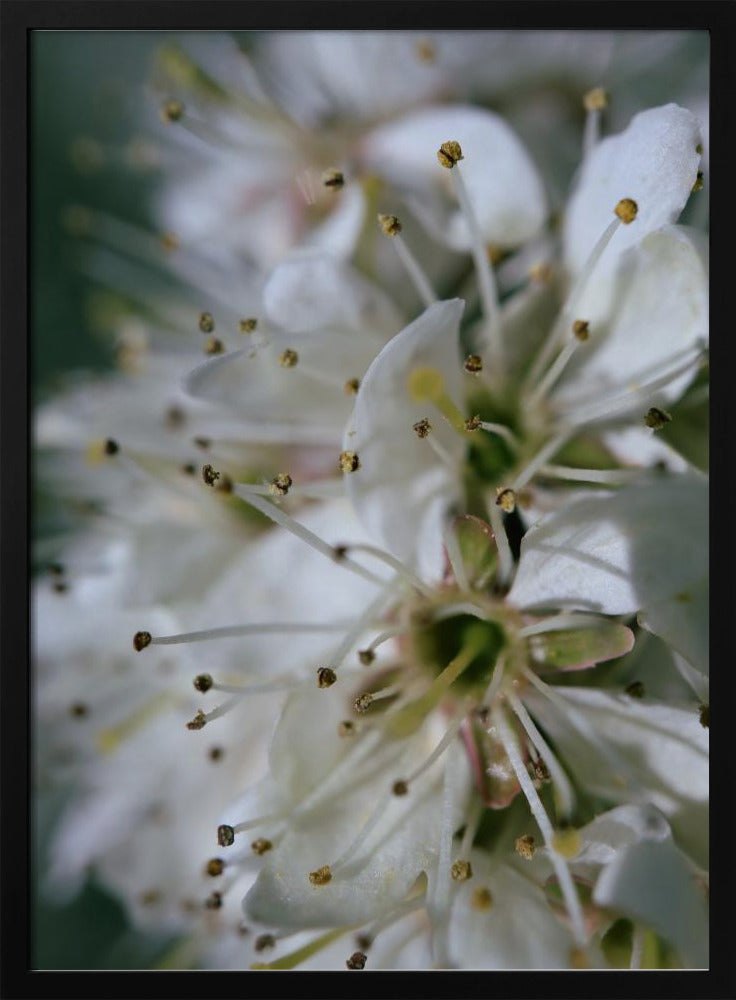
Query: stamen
[461, 871]
[608, 477]
[367, 655]
[206, 322]
[322, 876]
[484, 271]
[261, 846]
[326, 677]
[505, 556]
[540, 458]
[360, 625]
[364, 701]
[295, 958]
[578, 720]
[396, 564]
[288, 358]
[171, 111]
[143, 639]
[656, 419]
[250, 825]
[567, 885]
[333, 179]
[554, 372]
[351, 387]
[391, 226]
[280, 484]
[560, 779]
[619, 404]
[422, 427]
[499, 429]
[279, 684]
[567, 313]
[473, 364]
[525, 846]
[248, 325]
[288, 522]
[637, 946]
[594, 102]
[506, 500]
[356, 961]
[450, 734]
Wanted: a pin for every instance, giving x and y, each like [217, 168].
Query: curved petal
[402, 488]
[518, 931]
[502, 181]
[645, 548]
[645, 749]
[654, 161]
[660, 310]
[652, 882]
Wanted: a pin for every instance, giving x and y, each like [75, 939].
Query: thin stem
[486, 280]
[415, 272]
[564, 878]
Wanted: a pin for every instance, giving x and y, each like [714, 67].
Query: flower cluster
[383, 642]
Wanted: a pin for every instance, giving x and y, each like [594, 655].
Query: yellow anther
[473, 364]
[171, 111]
[626, 210]
[656, 418]
[288, 358]
[351, 387]
[280, 485]
[450, 153]
[248, 325]
[261, 846]
[206, 322]
[525, 846]
[461, 871]
[422, 427]
[581, 329]
[321, 876]
[349, 461]
[333, 179]
[698, 185]
[595, 100]
[390, 225]
[326, 677]
[506, 499]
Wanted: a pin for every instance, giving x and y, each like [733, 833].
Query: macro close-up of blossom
[370, 605]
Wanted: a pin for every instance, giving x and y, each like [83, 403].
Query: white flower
[366, 823]
[626, 345]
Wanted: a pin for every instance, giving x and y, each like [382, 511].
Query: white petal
[311, 291]
[403, 844]
[642, 548]
[520, 931]
[503, 184]
[661, 755]
[341, 230]
[652, 882]
[660, 310]
[402, 488]
[654, 161]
